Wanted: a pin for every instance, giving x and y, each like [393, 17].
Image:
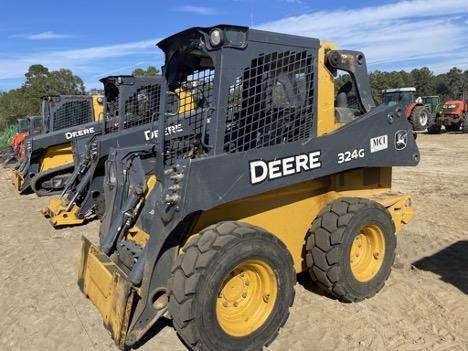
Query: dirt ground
[424, 305]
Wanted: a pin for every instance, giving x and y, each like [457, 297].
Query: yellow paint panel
[56, 156]
[186, 102]
[138, 236]
[58, 216]
[17, 179]
[325, 93]
[108, 288]
[98, 107]
[289, 212]
[150, 184]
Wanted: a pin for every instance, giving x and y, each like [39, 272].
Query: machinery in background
[454, 116]
[48, 160]
[414, 109]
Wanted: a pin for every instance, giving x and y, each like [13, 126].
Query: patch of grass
[8, 133]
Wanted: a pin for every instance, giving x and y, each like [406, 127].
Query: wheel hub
[367, 253]
[246, 298]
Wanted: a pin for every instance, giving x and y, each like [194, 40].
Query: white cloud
[392, 33]
[199, 10]
[87, 60]
[44, 36]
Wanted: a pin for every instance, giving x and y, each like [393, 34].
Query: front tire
[454, 127]
[419, 118]
[231, 288]
[351, 248]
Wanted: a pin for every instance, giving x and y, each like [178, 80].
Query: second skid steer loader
[48, 160]
[132, 110]
[270, 178]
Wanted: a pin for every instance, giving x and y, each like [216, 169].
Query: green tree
[148, 72]
[39, 82]
[423, 81]
[456, 82]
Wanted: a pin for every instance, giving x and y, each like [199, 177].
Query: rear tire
[432, 126]
[465, 123]
[212, 287]
[332, 248]
[419, 118]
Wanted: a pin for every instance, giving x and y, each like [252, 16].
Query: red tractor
[416, 112]
[25, 126]
[454, 115]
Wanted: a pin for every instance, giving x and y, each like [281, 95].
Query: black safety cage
[66, 111]
[131, 101]
[265, 97]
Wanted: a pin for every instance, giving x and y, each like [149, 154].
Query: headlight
[216, 37]
[452, 106]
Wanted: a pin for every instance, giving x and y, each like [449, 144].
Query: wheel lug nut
[266, 298]
[376, 255]
[244, 295]
[236, 304]
[242, 274]
[225, 304]
[247, 283]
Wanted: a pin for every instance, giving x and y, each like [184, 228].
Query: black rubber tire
[465, 123]
[329, 242]
[454, 127]
[415, 118]
[432, 126]
[201, 268]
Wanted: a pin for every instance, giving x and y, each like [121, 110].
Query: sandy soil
[424, 305]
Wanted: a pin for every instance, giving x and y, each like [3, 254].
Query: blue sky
[98, 38]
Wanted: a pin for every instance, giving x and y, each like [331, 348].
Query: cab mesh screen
[72, 113]
[272, 102]
[112, 112]
[143, 106]
[195, 99]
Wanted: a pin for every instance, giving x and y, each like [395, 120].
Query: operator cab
[35, 125]
[403, 96]
[22, 125]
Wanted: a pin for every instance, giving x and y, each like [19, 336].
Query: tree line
[452, 85]
[40, 81]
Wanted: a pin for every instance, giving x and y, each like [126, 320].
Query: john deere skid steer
[48, 160]
[269, 178]
[131, 113]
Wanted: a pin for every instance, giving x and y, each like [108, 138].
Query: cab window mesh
[272, 102]
[111, 108]
[143, 106]
[72, 113]
[195, 97]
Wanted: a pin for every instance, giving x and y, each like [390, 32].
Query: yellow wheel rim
[367, 253]
[246, 298]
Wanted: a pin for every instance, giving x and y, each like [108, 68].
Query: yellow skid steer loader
[272, 175]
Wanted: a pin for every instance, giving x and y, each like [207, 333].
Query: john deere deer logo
[401, 139]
